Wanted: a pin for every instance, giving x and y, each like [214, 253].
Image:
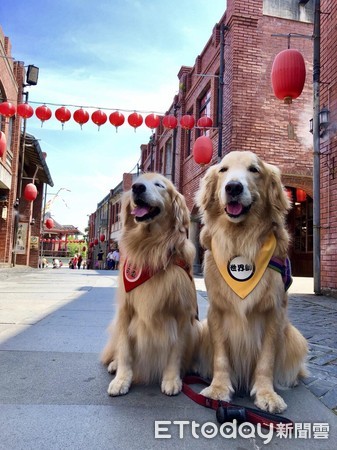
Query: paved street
[53, 388]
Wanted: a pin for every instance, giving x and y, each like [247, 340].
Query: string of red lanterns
[287, 76]
[202, 149]
[99, 117]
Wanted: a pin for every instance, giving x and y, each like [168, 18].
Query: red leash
[227, 412]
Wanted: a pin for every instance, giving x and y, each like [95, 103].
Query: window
[303, 226]
[188, 142]
[168, 160]
[205, 104]
[205, 107]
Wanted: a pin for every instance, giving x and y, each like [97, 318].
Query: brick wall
[328, 98]
[253, 118]
[11, 76]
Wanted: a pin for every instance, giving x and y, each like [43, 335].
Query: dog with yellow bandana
[253, 345]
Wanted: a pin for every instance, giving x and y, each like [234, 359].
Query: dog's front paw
[171, 386]
[218, 392]
[268, 400]
[112, 367]
[119, 386]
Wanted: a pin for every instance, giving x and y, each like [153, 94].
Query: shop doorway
[300, 225]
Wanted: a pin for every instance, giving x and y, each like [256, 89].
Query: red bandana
[134, 277]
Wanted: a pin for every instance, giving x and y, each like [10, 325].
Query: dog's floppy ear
[181, 212]
[125, 213]
[276, 193]
[205, 197]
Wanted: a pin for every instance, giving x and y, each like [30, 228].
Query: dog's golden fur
[156, 331]
[253, 344]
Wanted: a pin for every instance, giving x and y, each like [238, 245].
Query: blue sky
[115, 54]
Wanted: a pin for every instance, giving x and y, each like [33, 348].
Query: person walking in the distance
[115, 257]
[100, 259]
[110, 261]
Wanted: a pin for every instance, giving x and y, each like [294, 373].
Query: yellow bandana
[242, 275]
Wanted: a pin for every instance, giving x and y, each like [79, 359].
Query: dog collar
[133, 277]
[241, 274]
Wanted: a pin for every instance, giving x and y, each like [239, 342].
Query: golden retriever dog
[254, 346]
[155, 335]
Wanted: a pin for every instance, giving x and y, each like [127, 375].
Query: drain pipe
[316, 148]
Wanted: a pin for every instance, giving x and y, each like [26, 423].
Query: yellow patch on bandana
[243, 275]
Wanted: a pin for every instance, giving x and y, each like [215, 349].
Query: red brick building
[21, 163]
[252, 117]
[11, 79]
[104, 224]
[328, 158]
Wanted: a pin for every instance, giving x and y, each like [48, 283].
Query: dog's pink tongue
[140, 211]
[234, 208]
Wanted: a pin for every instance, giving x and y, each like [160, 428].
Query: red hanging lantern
[91, 244]
[135, 120]
[49, 223]
[3, 143]
[63, 115]
[102, 237]
[84, 249]
[25, 111]
[205, 122]
[117, 119]
[202, 150]
[301, 195]
[43, 113]
[152, 121]
[187, 122]
[96, 241]
[288, 75]
[7, 109]
[170, 121]
[99, 118]
[81, 116]
[30, 192]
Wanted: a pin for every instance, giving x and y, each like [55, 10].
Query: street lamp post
[44, 213]
[31, 80]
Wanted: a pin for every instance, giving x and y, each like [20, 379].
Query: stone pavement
[53, 388]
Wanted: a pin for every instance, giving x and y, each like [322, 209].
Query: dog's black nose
[138, 188]
[234, 188]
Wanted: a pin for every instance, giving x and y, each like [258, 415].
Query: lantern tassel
[291, 130]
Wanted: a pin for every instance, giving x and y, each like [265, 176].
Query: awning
[34, 157]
